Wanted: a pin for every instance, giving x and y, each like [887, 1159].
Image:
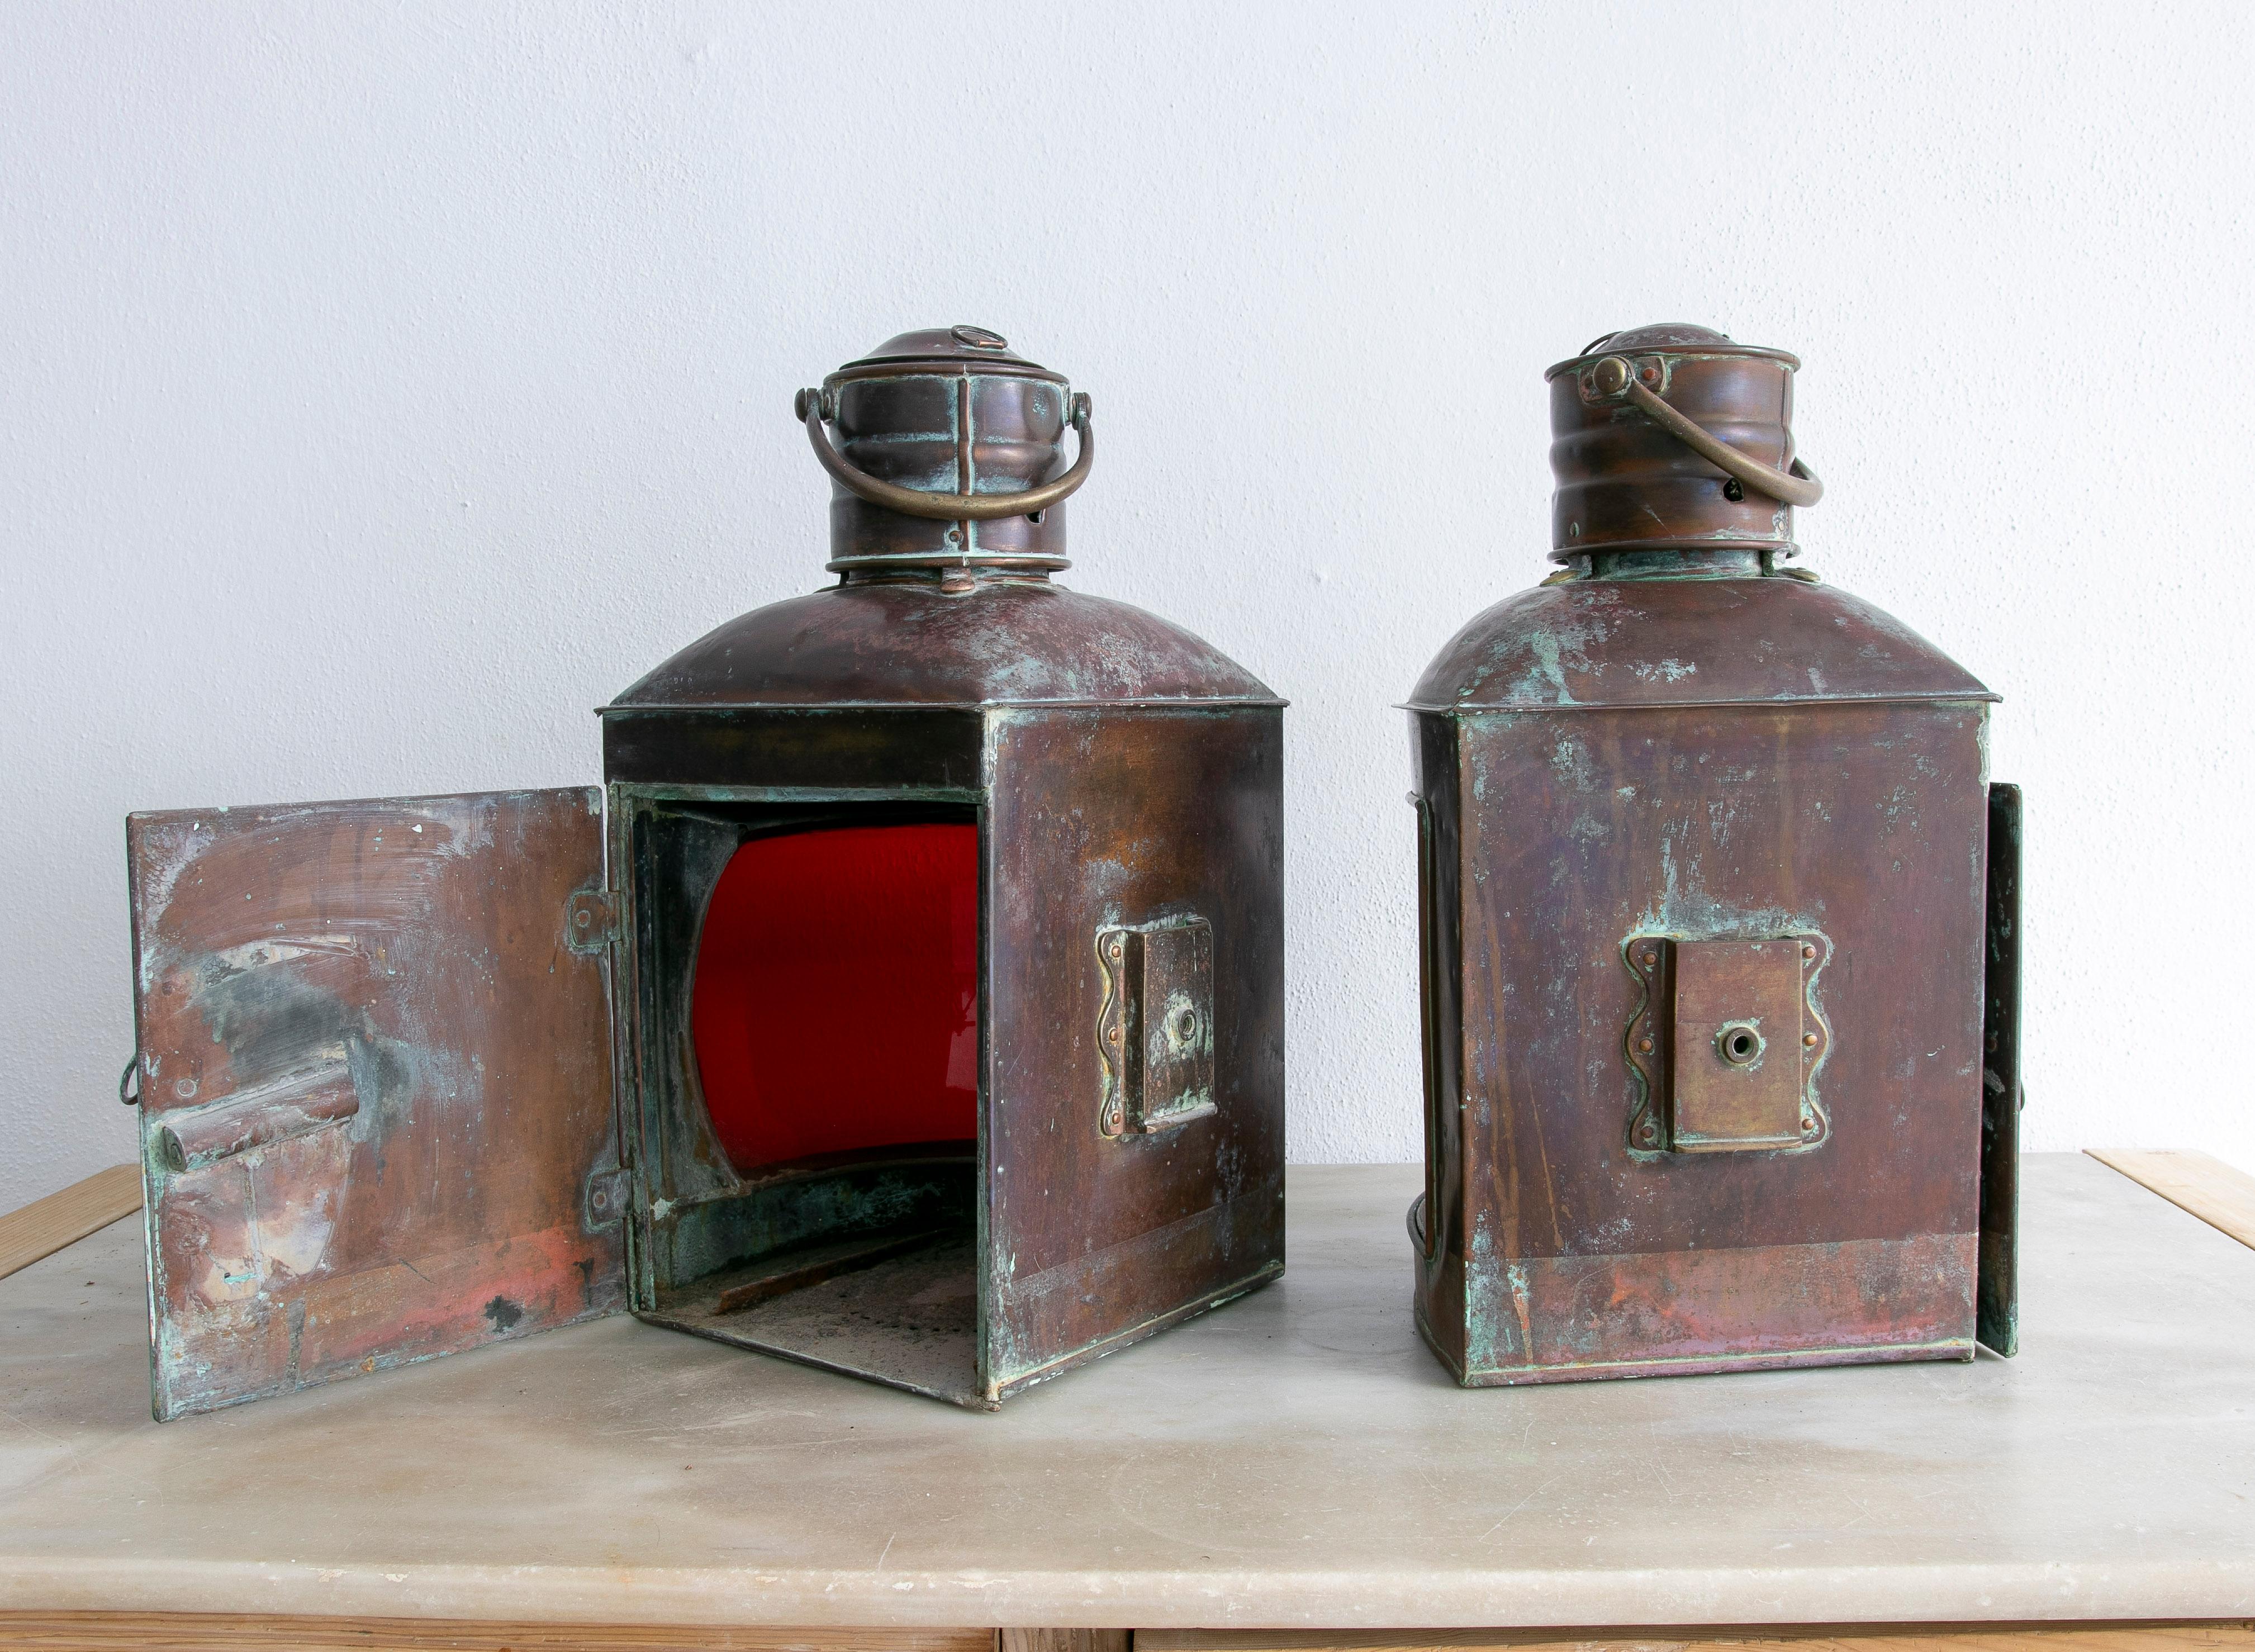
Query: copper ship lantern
[908, 1002]
[1718, 927]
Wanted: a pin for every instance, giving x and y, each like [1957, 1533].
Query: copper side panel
[1587, 1255]
[377, 1119]
[1683, 1313]
[2001, 1097]
[1436, 1219]
[1099, 819]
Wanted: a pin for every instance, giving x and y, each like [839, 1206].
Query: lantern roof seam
[680, 708]
[1905, 698]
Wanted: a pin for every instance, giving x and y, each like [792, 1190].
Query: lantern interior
[811, 1029]
[835, 1005]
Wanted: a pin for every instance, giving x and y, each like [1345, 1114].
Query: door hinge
[591, 921]
[607, 1199]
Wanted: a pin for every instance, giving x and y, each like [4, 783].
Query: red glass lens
[835, 1008]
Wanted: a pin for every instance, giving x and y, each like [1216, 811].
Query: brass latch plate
[1156, 1026]
[1727, 1039]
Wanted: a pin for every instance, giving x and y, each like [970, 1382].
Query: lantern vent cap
[1668, 338]
[947, 349]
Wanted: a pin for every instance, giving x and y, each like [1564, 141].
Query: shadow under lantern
[927, 1024]
[1718, 927]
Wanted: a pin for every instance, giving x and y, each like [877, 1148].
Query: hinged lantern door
[376, 1085]
[1997, 1287]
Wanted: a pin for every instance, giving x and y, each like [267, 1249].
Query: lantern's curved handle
[1798, 487]
[945, 507]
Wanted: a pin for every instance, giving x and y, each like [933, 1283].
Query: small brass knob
[1738, 1044]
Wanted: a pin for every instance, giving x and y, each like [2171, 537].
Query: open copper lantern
[909, 1002]
[1718, 927]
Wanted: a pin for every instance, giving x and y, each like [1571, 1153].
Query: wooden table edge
[2204, 1186]
[267, 1632]
[60, 1221]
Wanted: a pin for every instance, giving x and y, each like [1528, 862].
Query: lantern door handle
[945, 507]
[1798, 486]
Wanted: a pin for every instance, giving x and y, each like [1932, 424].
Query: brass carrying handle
[945, 507]
[1798, 487]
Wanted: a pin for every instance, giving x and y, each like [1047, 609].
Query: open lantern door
[376, 1085]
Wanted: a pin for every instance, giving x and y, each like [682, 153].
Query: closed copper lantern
[1718, 927]
[908, 1002]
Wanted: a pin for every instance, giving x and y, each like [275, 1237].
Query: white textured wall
[383, 386]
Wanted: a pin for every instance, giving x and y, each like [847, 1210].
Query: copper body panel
[376, 1085]
[1562, 1250]
[1099, 819]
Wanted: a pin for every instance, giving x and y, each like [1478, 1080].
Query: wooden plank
[2211, 1190]
[45, 1225]
[270, 1632]
[2075, 1637]
[1062, 1640]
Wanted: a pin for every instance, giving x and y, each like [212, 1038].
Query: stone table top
[1297, 1458]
